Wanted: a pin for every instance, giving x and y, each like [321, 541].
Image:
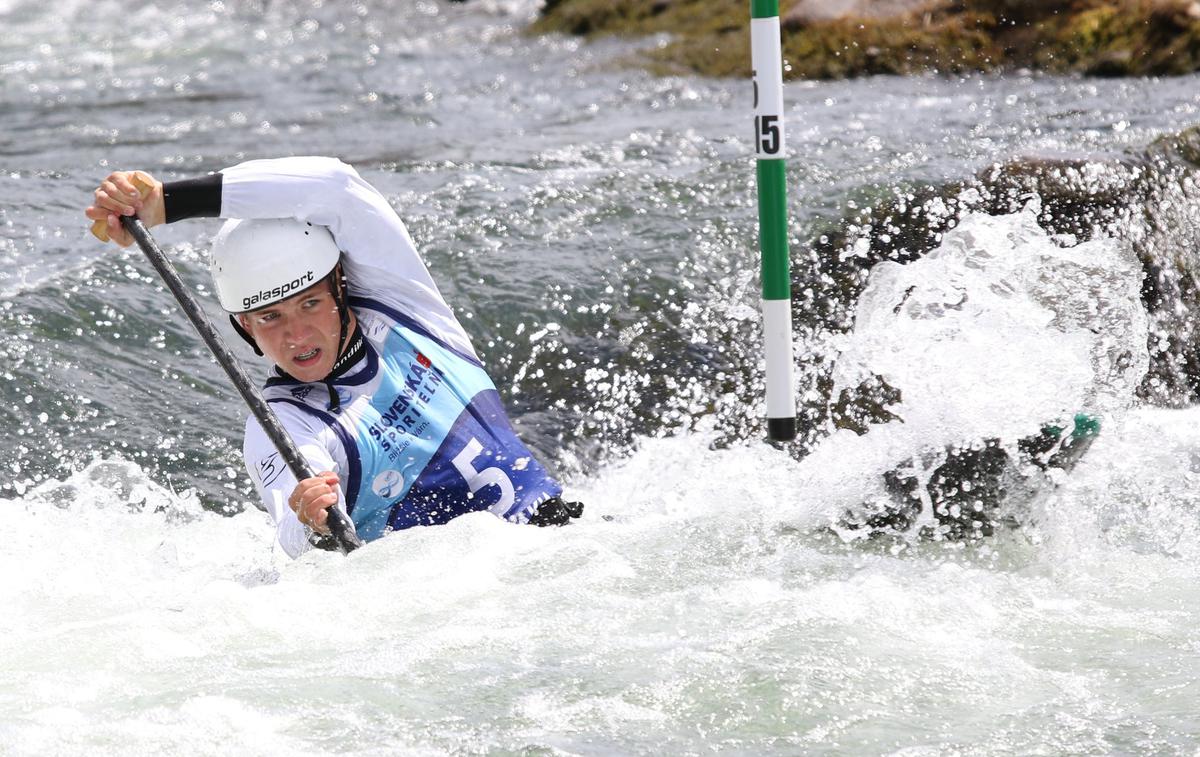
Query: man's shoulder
[373, 306]
[378, 317]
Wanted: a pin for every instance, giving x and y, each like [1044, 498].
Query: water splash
[998, 332]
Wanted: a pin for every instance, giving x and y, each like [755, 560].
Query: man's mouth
[305, 358]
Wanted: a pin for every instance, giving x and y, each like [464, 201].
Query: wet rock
[1184, 146]
[1078, 196]
[1170, 232]
[1111, 65]
[1148, 199]
[1020, 11]
[843, 38]
[867, 404]
[808, 12]
[966, 492]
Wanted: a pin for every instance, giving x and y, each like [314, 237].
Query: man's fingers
[100, 223]
[320, 521]
[307, 497]
[111, 200]
[311, 503]
[117, 233]
[126, 186]
[125, 182]
[123, 191]
[311, 499]
[315, 513]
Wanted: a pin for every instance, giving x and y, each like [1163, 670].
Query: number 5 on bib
[464, 463]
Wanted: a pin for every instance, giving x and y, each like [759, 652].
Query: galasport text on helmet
[256, 263]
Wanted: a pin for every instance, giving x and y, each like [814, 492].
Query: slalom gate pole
[339, 524]
[769, 147]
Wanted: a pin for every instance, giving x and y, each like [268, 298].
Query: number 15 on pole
[770, 148]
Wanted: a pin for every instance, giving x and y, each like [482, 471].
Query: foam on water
[1135, 491]
[143, 620]
[998, 332]
[1002, 326]
[698, 615]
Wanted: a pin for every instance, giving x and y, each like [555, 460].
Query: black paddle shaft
[340, 526]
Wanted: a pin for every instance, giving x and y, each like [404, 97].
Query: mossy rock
[711, 37]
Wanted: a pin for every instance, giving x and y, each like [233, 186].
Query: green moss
[711, 37]
[1123, 39]
[1093, 28]
[849, 48]
[689, 17]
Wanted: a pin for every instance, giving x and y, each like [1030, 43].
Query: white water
[999, 331]
[710, 609]
[1000, 326]
[699, 618]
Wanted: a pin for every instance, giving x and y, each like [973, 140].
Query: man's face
[300, 334]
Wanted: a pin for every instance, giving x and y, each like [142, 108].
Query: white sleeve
[381, 259]
[275, 481]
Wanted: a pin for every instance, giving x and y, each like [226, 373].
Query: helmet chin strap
[346, 346]
[237, 326]
[337, 284]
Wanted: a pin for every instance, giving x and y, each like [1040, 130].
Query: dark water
[544, 188]
[540, 190]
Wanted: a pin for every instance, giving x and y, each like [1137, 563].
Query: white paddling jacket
[418, 434]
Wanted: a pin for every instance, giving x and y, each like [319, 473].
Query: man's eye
[267, 317]
[310, 304]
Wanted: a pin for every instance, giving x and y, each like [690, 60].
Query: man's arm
[126, 193]
[192, 198]
[277, 486]
[381, 261]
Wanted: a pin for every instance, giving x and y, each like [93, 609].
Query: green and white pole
[767, 61]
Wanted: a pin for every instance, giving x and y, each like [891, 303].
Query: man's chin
[315, 372]
[309, 375]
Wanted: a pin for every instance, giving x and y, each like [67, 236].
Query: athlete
[374, 378]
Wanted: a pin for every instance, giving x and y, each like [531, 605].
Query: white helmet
[259, 262]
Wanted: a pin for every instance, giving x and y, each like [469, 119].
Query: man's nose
[294, 331]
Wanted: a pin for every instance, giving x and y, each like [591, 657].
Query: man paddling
[374, 379]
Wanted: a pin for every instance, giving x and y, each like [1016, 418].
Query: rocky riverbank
[829, 39]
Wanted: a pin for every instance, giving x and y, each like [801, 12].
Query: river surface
[595, 229]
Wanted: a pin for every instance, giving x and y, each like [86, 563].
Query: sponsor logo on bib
[388, 484]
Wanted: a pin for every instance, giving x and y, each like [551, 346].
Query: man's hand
[312, 497]
[125, 193]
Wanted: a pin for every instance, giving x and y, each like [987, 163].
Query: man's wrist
[192, 198]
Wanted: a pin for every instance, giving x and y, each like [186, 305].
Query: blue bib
[425, 436]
